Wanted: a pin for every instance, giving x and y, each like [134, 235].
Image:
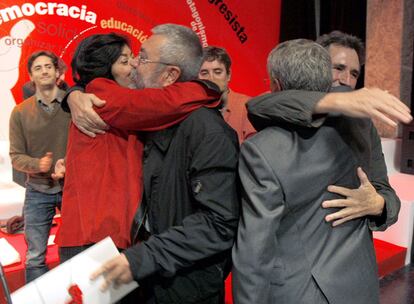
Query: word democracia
[231, 17]
[46, 8]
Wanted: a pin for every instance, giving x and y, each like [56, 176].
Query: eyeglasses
[145, 60]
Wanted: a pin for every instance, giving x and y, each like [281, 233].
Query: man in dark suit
[285, 251]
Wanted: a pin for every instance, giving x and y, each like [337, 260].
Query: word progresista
[49, 8]
[231, 17]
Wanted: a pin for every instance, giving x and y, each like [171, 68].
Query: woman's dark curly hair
[95, 56]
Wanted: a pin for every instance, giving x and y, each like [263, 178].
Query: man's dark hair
[95, 56]
[211, 53]
[345, 40]
[35, 55]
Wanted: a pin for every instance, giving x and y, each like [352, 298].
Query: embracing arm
[294, 107]
[255, 253]
[150, 109]
[138, 110]
[299, 108]
[80, 105]
[371, 103]
[379, 179]
[374, 198]
[208, 231]
[305, 108]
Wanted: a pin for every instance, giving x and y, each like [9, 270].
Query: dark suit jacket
[285, 252]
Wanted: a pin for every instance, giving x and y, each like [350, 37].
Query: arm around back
[150, 109]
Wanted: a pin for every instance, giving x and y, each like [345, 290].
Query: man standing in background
[216, 67]
[347, 55]
[38, 135]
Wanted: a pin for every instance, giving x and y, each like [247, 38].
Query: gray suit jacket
[285, 252]
[296, 107]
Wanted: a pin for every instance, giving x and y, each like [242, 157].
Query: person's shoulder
[205, 117]
[22, 109]
[262, 136]
[26, 104]
[205, 122]
[238, 97]
[279, 137]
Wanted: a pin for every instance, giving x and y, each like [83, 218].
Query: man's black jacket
[192, 206]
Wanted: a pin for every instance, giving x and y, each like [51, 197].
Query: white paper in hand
[53, 287]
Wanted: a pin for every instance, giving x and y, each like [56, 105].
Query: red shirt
[103, 177]
[235, 114]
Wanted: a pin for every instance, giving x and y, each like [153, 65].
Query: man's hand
[60, 169]
[370, 103]
[115, 271]
[357, 202]
[46, 162]
[83, 115]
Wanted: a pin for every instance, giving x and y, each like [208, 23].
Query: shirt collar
[59, 97]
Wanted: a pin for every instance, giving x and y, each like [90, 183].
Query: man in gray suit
[374, 198]
[285, 251]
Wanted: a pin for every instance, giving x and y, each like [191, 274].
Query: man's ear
[171, 74]
[275, 85]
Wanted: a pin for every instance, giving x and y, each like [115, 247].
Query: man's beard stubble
[137, 80]
[141, 82]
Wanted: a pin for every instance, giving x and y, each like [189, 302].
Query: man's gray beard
[136, 80]
[132, 86]
[139, 83]
[150, 83]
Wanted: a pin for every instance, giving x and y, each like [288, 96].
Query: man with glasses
[98, 207]
[157, 65]
[184, 228]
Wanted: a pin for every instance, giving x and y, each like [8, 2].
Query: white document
[51, 240]
[8, 255]
[52, 287]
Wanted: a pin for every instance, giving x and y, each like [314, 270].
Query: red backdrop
[247, 29]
